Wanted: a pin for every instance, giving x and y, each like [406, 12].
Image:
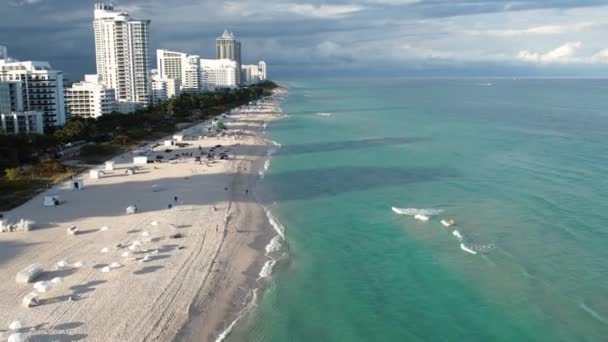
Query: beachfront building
[11, 97]
[253, 73]
[180, 66]
[219, 73]
[41, 88]
[250, 74]
[122, 56]
[164, 88]
[90, 98]
[22, 122]
[262, 69]
[227, 47]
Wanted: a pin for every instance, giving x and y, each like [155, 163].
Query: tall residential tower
[227, 47]
[180, 66]
[122, 55]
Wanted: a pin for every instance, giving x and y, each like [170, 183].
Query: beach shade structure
[29, 274]
[17, 337]
[30, 300]
[169, 143]
[131, 171]
[50, 201]
[4, 226]
[77, 184]
[178, 137]
[23, 225]
[42, 286]
[72, 230]
[95, 174]
[110, 165]
[140, 160]
[62, 264]
[131, 210]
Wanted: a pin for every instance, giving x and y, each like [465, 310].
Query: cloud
[538, 30]
[565, 54]
[322, 11]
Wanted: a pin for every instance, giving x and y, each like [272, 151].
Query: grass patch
[15, 192]
[99, 153]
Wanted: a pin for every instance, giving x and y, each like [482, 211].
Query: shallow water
[520, 165]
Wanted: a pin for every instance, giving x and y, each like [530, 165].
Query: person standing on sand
[175, 199]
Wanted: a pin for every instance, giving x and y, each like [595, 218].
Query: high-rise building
[11, 97]
[250, 74]
[180, 66]
[227, 47]
[41, 88]
[219, 73]
[22, 122]
[90, 98]
[262, 68]
[122, 55]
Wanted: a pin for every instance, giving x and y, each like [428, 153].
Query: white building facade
[219, 73]
[180, 66]
[22, 123]
[262, 70]
[41, 88]
[122, 56]
[164, 88]
[90, 98]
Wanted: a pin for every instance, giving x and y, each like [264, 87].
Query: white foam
[266, 270]
[272, 142]
[457, 235]
[592, 312]
[421, 217]
[324, 114]
[266, 165]
[221, 337]
[278, 227]
[414, 211]
[467, 249]
[275, 245]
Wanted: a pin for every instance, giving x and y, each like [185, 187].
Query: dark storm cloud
[292, 36]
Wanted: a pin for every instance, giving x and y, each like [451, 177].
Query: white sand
[194, 278]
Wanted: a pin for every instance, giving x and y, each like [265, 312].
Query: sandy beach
[180, 273]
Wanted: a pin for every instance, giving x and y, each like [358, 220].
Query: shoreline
[193, 288]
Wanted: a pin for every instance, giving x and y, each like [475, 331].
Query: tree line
[152, 122]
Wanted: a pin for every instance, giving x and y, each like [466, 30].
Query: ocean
[519, 164]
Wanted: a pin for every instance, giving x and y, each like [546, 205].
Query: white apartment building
[250, 74]
[164, 88]
[180, 66]
[262, 69]
[22, 122]
[219, 73]
[90, 98]
[11, 97]
[253, 73]
[41, 88]
[122, 55]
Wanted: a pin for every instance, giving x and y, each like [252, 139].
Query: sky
[337, 38]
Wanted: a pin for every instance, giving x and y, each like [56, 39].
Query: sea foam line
[222, 336]
[414, 211]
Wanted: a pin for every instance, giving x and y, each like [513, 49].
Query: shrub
[48, 168]
[12, 173]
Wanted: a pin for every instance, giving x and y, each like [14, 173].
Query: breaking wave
[414, 212]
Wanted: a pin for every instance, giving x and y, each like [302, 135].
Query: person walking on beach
[175, 199]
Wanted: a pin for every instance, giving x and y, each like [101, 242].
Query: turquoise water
[520, 164]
